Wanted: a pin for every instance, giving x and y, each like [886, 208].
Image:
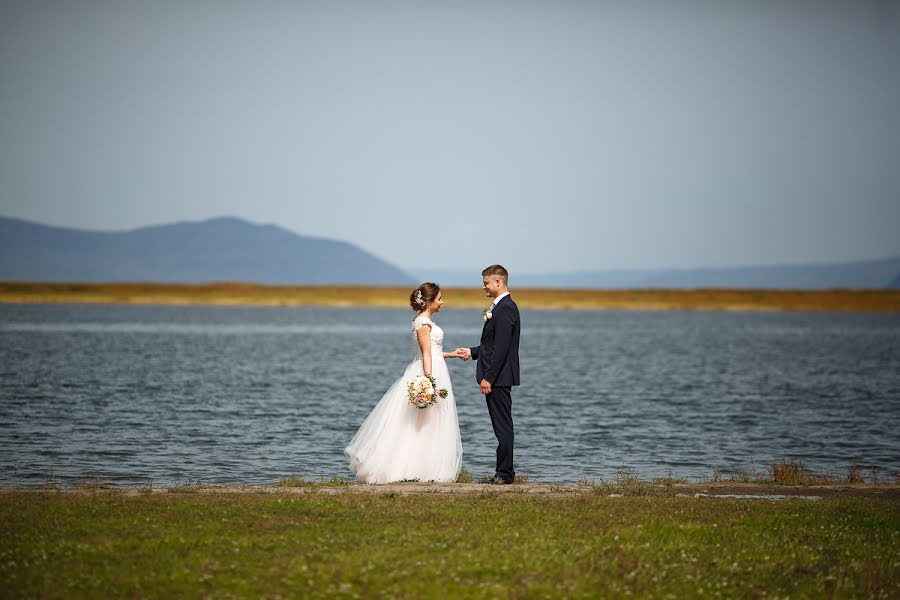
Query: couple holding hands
[399, 442]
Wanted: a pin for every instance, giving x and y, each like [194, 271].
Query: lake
[249, 395]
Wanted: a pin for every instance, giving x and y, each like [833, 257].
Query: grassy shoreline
[786, 476]
[239, 294]
[631, 488]
[331, 541]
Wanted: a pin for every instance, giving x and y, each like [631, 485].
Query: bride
[398, 441]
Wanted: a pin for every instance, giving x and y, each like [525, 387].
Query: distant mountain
[867, 274]
[221, 249]
[231, 249]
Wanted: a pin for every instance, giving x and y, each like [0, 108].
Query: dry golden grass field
[283, 295]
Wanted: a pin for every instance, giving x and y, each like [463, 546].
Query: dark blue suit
[498, 362]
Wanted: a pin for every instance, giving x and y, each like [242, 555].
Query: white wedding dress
[398, 441]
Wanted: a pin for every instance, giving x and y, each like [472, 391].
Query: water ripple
[248, 395]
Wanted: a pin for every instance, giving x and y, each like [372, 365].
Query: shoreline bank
[691, 490]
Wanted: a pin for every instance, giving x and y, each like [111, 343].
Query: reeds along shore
[838, 300]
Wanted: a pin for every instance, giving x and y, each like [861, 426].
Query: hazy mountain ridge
[872, 274]
[220, 249]
[231, 249]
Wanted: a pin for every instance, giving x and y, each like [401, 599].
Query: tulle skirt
[398, 441]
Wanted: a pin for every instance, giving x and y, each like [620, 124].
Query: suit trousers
[499, 403]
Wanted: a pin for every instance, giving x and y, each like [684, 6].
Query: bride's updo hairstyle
[423, 296]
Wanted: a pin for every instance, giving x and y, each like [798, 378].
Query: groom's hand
[463, 353]
[485, 387]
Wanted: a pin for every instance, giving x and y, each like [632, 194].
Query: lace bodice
[437, 334]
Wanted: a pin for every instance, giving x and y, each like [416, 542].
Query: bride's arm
[423, 335]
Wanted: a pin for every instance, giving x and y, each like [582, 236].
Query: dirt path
[891, 492]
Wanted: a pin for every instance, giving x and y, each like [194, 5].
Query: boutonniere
[487, 314]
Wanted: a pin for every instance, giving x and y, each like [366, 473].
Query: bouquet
[423, 391]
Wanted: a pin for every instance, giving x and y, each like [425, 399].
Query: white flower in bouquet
[423, 391]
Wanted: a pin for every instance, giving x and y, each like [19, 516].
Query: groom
[498, 364]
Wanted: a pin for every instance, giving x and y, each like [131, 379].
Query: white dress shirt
[498, 299]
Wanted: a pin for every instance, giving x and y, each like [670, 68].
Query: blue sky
[549, 136]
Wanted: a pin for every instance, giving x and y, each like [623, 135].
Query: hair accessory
[419, 299]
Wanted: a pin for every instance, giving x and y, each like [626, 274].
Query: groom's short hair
[497, 271]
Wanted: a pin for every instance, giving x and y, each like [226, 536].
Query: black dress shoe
[497, 480]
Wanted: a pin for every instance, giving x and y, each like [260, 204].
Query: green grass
[103, 544]
[464, 476]
[295, 481]
[790, 471]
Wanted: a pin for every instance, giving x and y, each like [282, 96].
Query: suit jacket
[498, 354]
